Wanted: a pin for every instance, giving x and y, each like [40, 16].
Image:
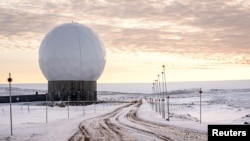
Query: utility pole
[153, 95]
[163, 66]
[163, 100]
[83, 107]
[159, 84]
[68, 107]
[151, 104]
[165, 94]
[46, 107]
[10, 80]
[156, 99]
[200, 103]
[168, 106]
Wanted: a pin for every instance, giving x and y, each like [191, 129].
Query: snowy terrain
[229, 105]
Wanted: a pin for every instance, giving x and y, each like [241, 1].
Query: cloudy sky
[195, 39]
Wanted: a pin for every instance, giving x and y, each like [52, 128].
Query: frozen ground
[131, 121]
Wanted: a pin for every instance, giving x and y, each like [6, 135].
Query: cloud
[204, 30]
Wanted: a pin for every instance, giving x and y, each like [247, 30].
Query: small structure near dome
[72, 58]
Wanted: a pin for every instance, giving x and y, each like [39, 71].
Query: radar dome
[72, 51]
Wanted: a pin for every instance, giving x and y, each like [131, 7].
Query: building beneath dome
[74, 90]
[72, 58]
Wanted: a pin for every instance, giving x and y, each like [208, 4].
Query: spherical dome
[72, 52]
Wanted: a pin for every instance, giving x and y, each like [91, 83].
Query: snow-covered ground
[31, 124]
[219, 106]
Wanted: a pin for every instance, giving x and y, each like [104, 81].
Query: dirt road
[122, 124]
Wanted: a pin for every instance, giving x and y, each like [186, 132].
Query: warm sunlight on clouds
[196, 40]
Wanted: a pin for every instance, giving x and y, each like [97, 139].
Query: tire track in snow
[173, 132]
[122, 124]
[99, 128]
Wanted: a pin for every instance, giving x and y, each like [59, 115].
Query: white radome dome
[72, 51]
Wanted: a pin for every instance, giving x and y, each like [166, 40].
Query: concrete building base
[72, 90]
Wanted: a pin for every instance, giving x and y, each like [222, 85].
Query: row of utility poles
[159, 91]
[10, 80]
[10, 102]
